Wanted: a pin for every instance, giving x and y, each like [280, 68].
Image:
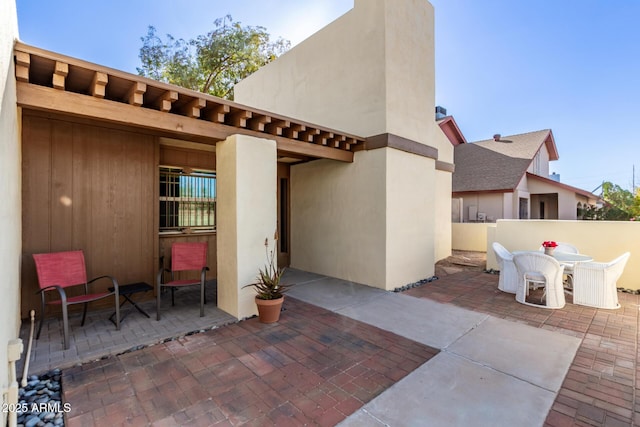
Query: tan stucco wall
[246, 215]
[443, 217]
[442, 199]
[411, 215]
[10, 185]
[339, 210]
[338, 214]
[369, 72]
[470, 237]
[603, 240]
[315, 81]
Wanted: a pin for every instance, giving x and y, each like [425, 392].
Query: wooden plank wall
[183, 157]
[90, 188]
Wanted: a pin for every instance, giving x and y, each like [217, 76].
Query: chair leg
[173, 297]
[84, 313]
[41, 316]
[201, 298]
[117, 311]
[65, 327]
[158, 292]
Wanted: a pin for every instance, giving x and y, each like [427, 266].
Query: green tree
[210, 63]
[620, 204]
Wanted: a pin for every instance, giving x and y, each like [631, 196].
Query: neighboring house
[507, 177]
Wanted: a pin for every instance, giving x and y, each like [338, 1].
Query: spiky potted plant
[269, 290]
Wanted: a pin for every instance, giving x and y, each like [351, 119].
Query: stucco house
[507, 177]
[328, 145]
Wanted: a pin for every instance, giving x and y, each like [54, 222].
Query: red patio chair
[61, 270]
[184, 257]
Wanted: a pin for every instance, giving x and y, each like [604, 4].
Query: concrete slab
[293, 276]
[334, 294]
[362, 418]
[449, 390]
[535, 355]
[428, 322]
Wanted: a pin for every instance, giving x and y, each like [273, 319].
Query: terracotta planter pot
[269, 309]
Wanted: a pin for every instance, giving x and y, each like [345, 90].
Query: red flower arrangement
[549, 244]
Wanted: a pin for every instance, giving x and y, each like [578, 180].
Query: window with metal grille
[187, 200]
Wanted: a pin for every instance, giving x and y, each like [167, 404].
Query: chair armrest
[113, 281]
[592, 266]
[48, 288]
[60, 289]
[203, 273]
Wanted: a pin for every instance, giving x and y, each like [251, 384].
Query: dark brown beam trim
[399, 143]
[445, 166]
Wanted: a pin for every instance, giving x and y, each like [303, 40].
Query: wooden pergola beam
[23, 61]
[165, 101]
[324, 138]
[60, 74]
[337, 140]
[239, 119]
[98, 84]
[135, 96]
[294, 130]
[36, 64]
[258, 122]
[42, 98]
[277, 127]
[217, 114]
[192, 109]
[309, 134]
[347, 143]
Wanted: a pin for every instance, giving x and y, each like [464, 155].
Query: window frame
[170, 219]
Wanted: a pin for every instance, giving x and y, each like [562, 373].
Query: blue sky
[502, 66]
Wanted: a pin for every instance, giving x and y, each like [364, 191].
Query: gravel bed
[40, 401]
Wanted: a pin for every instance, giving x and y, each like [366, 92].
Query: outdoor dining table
[564, 257]
[569, 258]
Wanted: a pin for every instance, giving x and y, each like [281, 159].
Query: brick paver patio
[601, 387]
[314, 367]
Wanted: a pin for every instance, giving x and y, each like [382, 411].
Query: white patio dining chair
[568, 266]
[538, 269]
[595, 282]
[508, 281]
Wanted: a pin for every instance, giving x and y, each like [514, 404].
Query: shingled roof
[492, 165]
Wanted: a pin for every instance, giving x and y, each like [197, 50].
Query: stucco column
[246, 215]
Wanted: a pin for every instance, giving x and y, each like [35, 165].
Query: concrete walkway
[490, 371]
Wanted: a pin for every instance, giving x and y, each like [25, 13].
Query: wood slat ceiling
[60, 79]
